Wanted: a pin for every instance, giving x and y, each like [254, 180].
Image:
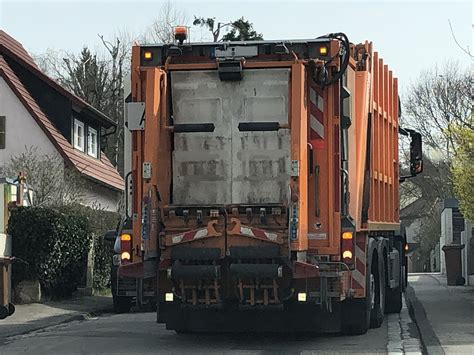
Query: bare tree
[437, 103]
[212, 26]
[97, 77]
[465, 50]
[240, 30]
[52, 63]
[53, 183]
[119, 51]
[433, 185]
[161, 30]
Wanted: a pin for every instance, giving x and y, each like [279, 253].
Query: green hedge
[99, 221]
[55, 243]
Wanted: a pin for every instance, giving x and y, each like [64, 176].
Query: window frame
[3, 133]
[79, 123]
[89, 151]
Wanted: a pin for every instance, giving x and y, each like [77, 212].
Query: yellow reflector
[302, 297]
[125, 255]
[323, 50]
[347, 235]
[347, 254]
[148, 55]
[126, 237]
[169, 297]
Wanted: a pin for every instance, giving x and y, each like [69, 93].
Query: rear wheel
[356, 312]
[377, 295]
[356, 316]
[393, 296]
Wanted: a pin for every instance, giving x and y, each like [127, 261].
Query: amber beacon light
[180, 34]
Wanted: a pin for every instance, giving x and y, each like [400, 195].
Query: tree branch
[456, 41]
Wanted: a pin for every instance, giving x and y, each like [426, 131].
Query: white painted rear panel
[229, 166]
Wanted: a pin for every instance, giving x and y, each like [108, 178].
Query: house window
[2, 132]
[78, 135]
[92, 142]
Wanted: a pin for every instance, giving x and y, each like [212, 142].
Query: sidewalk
[444, 315]
[30, 317]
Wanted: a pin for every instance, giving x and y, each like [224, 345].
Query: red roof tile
[10, 44]
[100, 170]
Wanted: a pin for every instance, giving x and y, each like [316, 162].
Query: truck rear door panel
[201, 161]
[229, 166]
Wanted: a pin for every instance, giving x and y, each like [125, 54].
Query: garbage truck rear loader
[264, 185]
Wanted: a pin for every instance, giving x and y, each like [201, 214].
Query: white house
[35, 111]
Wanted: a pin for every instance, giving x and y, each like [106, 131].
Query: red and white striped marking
[316, 113]
[358, 275]
[258, 233]
[188, 236]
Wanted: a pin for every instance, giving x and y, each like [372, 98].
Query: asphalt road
[137, 333]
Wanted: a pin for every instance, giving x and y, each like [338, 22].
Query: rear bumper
[293, 317]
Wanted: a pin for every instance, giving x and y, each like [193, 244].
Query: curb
[51, 322]
[429, 340]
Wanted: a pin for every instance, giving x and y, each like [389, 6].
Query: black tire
[393, 296]
[356, 314]
[122, 304]
[378, 310]
[11, 309]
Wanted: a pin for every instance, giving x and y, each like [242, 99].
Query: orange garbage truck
[264, 188]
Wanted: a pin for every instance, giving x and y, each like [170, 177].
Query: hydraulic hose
[323, 77]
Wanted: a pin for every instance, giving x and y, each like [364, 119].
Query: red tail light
[347, 247]
[126, 247]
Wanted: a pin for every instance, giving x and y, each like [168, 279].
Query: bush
[103, 252]
[54, 243]
[99, 221]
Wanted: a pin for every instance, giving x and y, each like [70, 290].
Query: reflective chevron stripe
[188, 236]
[316, 112]
[359, 273]
[258, 233]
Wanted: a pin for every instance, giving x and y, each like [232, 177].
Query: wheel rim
[372, 291]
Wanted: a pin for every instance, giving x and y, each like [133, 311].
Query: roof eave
[106, 121]
[6, 76]
[102, 183]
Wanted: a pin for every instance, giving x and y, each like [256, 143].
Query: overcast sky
[410, 36]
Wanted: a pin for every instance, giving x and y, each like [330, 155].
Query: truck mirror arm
[416, 153]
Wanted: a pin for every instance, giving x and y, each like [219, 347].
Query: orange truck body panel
[354, 172]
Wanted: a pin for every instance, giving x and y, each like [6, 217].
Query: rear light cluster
[126, 247]
[347, 247]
